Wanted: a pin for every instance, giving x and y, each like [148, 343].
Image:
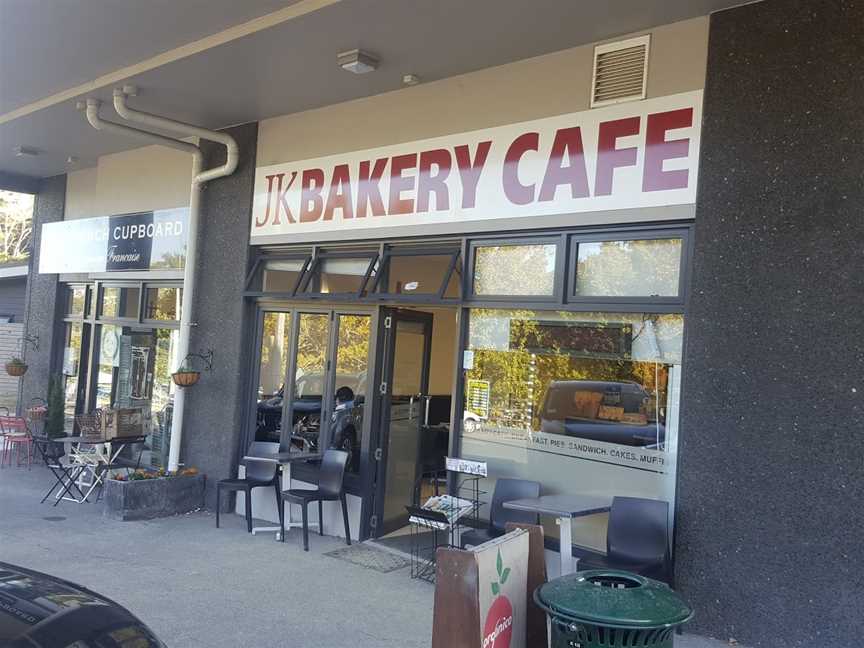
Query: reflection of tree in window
[514, 270]
[629, 268]
[352, 350]
[522, 361]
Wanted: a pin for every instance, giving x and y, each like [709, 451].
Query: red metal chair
[16, 439]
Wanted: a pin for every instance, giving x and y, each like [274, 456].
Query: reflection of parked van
[602, 410]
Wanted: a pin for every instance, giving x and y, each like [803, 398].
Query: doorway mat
[370, 558]
[405, 543]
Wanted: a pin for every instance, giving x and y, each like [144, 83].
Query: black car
[41, 611]
[344, 425]
[575, 408]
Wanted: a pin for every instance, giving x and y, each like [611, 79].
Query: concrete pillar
[42, 303]
[771, 482]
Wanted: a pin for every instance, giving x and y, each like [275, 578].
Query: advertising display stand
[483, 595]
[437, 518]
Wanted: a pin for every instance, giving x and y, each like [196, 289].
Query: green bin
[607, 608]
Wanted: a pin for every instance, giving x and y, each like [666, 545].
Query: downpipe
[199, 177]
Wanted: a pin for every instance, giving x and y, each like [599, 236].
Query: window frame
[654, 234]
[301, 291]
[102, 285]
[558, 240]
[157, 323]
[383, 275]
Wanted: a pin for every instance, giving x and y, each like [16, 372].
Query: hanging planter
[187, 375]
[16, 367]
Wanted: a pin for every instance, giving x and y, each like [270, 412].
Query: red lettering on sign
[609, 157]
[399, 183]
[311, 202]
[516, 192]
[280, 200]
[368, 190]
[469, 172]
[567, 144]
[658, 150]
[339, 196]
[428, 183]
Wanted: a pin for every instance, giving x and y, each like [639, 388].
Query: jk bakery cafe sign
[635, 155]
[145, 241]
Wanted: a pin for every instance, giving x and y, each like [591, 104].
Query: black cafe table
[565, 508]
[285, 459]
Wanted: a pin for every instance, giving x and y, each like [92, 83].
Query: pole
[186, 321]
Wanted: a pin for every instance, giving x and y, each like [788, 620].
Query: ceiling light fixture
[357, 61]
[25, 151]
[410, 79]
[71, 160]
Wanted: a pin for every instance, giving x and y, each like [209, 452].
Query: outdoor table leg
[567, 566]
[61, 476]
[73, 478]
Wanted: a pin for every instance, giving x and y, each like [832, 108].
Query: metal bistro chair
[331, 479]
[637, 539]
[16, 439]
[260, 473]
[506, 490]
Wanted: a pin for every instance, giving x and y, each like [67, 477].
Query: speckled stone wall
[770, 524]
[41, 298]
[215, 406]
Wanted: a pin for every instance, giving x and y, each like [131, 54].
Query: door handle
[426, 414]
[411, 408]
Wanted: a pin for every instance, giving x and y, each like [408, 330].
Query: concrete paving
[196, 585]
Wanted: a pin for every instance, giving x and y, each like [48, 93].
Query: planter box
[145, 499]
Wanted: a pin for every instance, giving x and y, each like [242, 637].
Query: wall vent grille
[620, 71]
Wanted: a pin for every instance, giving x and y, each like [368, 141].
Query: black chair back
[260, 470]
[638, 530]
[512, 489]
[332, 472]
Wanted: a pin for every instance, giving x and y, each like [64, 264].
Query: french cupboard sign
[637, 154]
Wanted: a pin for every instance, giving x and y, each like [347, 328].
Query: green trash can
[606, 608]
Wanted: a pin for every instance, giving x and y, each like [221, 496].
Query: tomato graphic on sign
[498, 628]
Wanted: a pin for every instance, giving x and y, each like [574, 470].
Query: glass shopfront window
[76, 297]
[352, 358]
[71, 370]
[119, 303]
[585, 403]
[163, 304]
[275, 342]
[133, 370]
[515, 270]
[635, 268]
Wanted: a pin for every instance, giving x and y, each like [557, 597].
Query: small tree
[55, 422]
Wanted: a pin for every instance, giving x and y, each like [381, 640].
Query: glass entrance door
[407, 344]
[311, 391]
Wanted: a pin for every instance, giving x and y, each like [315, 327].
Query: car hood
[41, 611]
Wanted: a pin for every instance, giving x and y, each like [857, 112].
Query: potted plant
[16, 367]
[55, 417]
[186, 375]
[144, 494]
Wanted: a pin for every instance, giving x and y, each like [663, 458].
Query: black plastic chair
[506, 490]
[260, 473]
[637, 539]
[331, 477]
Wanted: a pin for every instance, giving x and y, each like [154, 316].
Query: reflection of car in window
[345, 422]
[619, 412]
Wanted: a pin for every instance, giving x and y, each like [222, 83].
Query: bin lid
[613, 598]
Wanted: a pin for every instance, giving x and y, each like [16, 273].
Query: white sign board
[467, 467]
[502, 570]
[632, 155]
